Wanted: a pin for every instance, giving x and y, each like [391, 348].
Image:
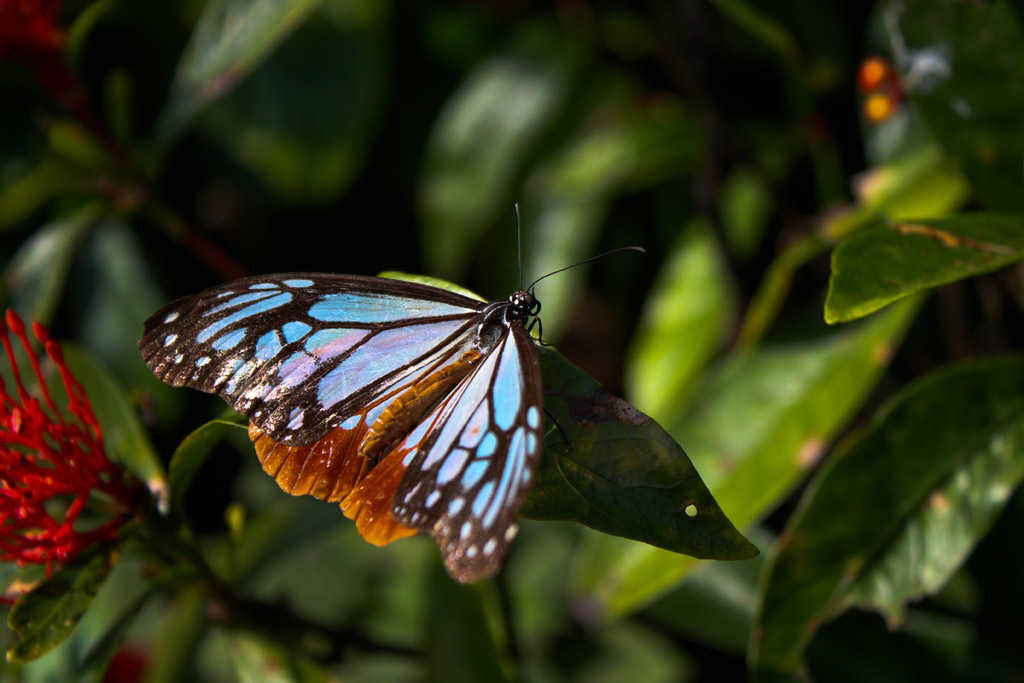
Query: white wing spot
[171, 317]
[471, 551]
[433, 498]
[533, 417]
[467, 527]
[456, 505]
[412, 492]
[511, 532]
[202, 361]
[177, 359]
[490, 546]
[170, 339]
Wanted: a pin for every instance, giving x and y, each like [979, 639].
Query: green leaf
[620, 147]
[72, 142]
[875, 268]
[762, 420]
[44, 617]
[111, 293]
[125, 440]
[693, 300]
[305, 119]
[36, 275]
[432, 281]
[179, 631]
[891, 518]
[484, 139]
[963, 66]
[81, 29]
[715, 606]
[614, 469]
[919, 181]
[190, 455]
[461, 645]
[628, 651]
[93, 667]
[258, 660]
[761, 26]
[21, 197]
[231, 38]
[746, 206]
[771, 293]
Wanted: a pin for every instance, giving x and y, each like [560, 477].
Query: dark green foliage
[818, 350]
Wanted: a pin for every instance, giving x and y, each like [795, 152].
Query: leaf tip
[157, 485]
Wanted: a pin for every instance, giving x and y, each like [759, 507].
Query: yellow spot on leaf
[939, 502]
[882, 353]
[810, 452]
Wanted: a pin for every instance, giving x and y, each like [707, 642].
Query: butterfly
[416, 408]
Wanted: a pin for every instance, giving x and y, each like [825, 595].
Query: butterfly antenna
[586, 260]
[519, 242]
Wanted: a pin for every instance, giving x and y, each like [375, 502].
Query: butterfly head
[522, 305]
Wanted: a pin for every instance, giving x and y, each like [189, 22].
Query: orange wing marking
[345, 466]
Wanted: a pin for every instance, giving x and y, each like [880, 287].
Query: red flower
[29, 34]
[27, 27]
[51, 463]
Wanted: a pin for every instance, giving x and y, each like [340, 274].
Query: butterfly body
[416, 408]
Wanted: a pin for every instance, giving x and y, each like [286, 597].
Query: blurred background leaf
[490, 128]
[693, 299]
[895, 513]
[229, 41]
[149, 150]
[305, 136]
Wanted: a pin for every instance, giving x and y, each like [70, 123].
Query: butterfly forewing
[301, 353]
[471, 462]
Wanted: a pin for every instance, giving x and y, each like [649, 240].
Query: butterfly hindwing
[471, 462]
[299, 353]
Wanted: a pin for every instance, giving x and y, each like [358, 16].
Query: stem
[293, 632]
[205, 250]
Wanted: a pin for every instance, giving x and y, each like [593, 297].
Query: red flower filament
[51, 463]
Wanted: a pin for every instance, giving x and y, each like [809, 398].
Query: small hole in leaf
[690, 510]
